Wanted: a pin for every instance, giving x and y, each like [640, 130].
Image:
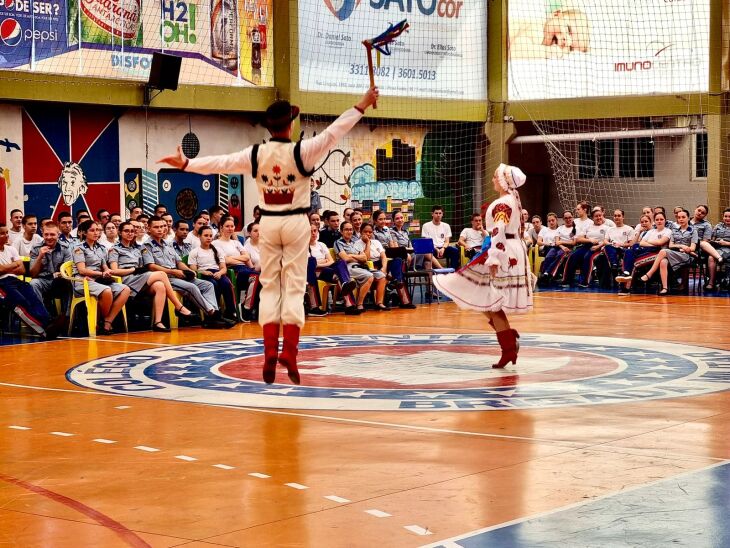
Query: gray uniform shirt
[162, 254]
[684, 237]
[94, 257]
[704, 229]
[52, 261]
[130, 257]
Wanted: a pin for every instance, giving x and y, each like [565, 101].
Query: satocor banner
[442, 55]
[586, 48]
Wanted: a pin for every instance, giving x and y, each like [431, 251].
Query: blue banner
[31, 30]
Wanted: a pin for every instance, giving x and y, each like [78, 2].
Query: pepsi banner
[222, 42]
[31, 31]
[442, 55]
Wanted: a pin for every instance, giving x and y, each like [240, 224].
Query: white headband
[510, 177]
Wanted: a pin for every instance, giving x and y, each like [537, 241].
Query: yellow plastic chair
[535, 260]
[89, 300]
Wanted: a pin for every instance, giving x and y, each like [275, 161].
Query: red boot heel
[510, 347]
[288, 357]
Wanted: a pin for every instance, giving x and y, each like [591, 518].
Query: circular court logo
[443, 372]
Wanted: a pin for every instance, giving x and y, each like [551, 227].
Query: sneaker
[624, 293]
[583, 286]
[317, 312]
[623, 279]
[352, 311]
[246, 316]
[349, 287]
[408, 306]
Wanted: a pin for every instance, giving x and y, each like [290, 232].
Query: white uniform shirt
[8, 255]
[620, 235]
[193, 240]
[319, 251]
[549, 235]
[473, 238]
[14, 236]
[229, 248]
[565, 234]
[438, 233]
[593, 232]
[253, 250]
[581, 224]
[376, 248]
[655, 234]
[204, 258]
[23, 246]
[609, 222]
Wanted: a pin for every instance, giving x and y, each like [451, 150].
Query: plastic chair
[424, 277]
[87, 299]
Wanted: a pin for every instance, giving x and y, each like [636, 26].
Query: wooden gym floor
[623, 447]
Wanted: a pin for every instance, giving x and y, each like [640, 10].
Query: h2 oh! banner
[589, 48]
[442, 55]
[222, 42]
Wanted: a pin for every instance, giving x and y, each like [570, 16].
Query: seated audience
[130, 261]
[15, 232]
[65, 224]
[110, 237]
[253, 283]
[374, 252]
[211, 265]
[440, 233]
[91, 261]
[355, 258]
[29, 238]
[646, 251]
[181, 229]
[680, 252]
[46, 260]
[471, 238]
[589, 245]
[618, 239]
[18, 295]
[721, 245]
[331, 231]
[182, 278]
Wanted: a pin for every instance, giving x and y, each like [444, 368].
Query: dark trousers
[224, 288]
[20, 297]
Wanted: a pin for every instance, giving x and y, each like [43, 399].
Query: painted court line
[418, 530]
[259, 475]
[145, 448]
[102, 440]
[14, 427]
[224, 467]
[378, 513]
[296, 486]
[452, 541]
[335, 498]
[62, 434]
[185, 458]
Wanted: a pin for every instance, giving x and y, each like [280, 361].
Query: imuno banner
[222, 42]
[442, 55]
[589, 48]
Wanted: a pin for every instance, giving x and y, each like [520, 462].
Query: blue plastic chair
[424, 277]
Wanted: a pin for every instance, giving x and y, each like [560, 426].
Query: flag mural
[71, 161]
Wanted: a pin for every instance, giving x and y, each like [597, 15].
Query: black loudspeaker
[165, 71]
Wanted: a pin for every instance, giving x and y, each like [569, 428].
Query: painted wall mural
[67, 159]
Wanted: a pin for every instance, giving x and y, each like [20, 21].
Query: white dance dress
[511, 290]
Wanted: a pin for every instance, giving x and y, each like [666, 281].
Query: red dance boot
[271, 351]
[288, 357]
[510, 347]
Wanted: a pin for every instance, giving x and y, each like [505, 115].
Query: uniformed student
[130, 261]
[90, 261]
[46, 260]
[347, 250]
[721, 242]
[181, 277]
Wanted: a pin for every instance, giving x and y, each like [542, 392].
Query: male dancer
[282, 170]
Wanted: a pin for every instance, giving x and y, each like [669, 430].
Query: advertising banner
[222, 42]
[442, 55]
[31, 31]
[585, 48]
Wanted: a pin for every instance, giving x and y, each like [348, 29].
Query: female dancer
[499, 281]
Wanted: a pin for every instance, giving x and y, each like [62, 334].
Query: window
[608, 159]
[700, 156]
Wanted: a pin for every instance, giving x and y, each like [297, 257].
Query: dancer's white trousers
[284, 249]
